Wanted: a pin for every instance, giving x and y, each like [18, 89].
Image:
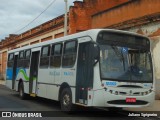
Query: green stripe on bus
[24, 74]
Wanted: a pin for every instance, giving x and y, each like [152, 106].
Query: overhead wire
[36, 17]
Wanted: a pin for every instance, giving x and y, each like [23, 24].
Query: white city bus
[99, 67]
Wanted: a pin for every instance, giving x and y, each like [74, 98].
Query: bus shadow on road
[79, 111]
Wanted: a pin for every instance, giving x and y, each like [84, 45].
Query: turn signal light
[142, 93]
[116, 92]
[110, 91]
[146, 92]
[150, 91]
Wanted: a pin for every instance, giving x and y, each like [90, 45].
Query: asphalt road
[10, 101]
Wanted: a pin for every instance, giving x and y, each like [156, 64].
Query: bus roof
[91, 33]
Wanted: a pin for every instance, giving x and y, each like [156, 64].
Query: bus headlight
[111, 91]
[150, 91]
[142, 93]
[146, 92]
[116, 92]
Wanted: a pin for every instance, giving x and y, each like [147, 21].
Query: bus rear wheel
[66, 100]
[22, 95]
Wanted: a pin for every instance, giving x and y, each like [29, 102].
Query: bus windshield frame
[125, 57]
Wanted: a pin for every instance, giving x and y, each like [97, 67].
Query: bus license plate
[130, 100]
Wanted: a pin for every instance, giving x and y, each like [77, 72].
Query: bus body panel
[22, 74]
[26, 86]
[44, 82]
[51, 90]
[9, 83]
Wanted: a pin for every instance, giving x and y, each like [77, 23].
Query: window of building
[34, 42]
[59, 35]
[69, 55]
[47, 38]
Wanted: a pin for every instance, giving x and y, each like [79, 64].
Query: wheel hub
[66, 100]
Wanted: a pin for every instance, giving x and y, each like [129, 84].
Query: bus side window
[27, 58]
[20, 59]
[55, 59]
[69, 54]
[44, 60]
[10, 60]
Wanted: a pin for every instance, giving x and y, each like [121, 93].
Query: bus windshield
[125, 63]
[122, 63]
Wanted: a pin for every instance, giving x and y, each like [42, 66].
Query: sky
[16, 14]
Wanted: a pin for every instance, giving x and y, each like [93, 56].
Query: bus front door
[14, 71]
[33, 73]
[84, 80]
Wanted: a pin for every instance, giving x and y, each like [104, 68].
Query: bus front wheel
[66, 100]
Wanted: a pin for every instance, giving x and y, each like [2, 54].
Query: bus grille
[123, 102]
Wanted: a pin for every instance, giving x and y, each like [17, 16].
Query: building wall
[129, 11]
[0, 65]
[80, 15]
[3, 63]
[41, 38]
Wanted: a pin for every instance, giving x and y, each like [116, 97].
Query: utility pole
[65, 19]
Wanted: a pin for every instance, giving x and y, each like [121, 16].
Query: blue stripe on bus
[9, 73]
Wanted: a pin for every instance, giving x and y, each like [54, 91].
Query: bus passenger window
[69, 55]
[10, 60]
[55, 59]
[21, 55]
[27, 54]
[26, 61]
[44, 60]
[11, 57]
[20, 59]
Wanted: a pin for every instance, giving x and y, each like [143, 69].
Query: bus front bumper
[129, 101]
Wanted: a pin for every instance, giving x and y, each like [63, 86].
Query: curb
[2, 82]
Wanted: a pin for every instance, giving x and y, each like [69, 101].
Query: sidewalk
[2, 82]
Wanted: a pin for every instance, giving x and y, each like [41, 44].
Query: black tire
[66, 100]
[22, 95]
